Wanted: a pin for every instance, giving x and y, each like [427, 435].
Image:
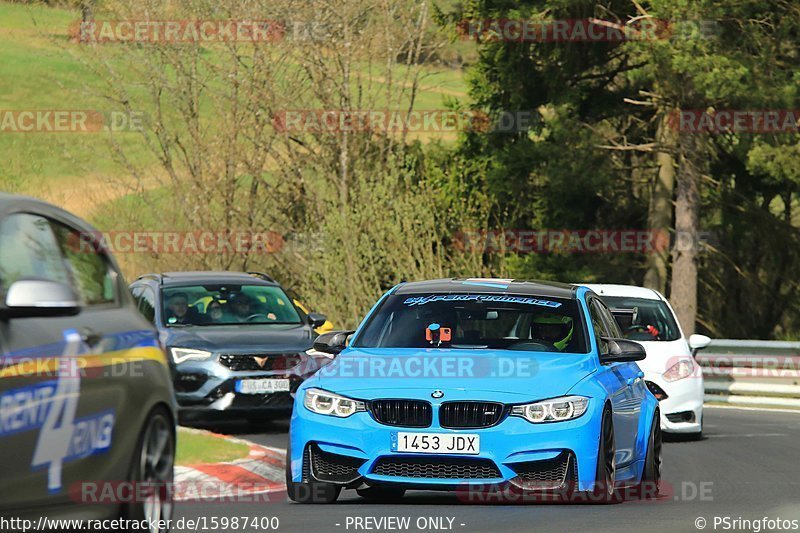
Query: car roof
[15, 203]
[209, 276]
[626, 291]
[489, 285]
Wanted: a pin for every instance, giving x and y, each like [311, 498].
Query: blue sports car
[467, 383]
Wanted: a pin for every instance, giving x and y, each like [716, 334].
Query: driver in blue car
[555, 329]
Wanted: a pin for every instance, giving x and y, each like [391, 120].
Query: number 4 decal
[56, 433]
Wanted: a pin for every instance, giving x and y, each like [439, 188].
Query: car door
[615, 379]
[37, 367]
[120, 348]
[634, 383]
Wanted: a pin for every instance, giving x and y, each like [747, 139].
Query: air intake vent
[405, 413]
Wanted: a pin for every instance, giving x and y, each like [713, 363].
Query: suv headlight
[682, 369]
[327, 403]
[553, 410]
[179, 355]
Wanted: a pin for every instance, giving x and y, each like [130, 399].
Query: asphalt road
[747, 467]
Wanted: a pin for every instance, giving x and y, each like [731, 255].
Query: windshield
[643, 320]
[216, 305]
[495, 321]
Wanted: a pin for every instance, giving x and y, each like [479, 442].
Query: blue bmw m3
[463, 383]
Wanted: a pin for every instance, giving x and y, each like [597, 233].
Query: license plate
[462, 444]
[262, 386]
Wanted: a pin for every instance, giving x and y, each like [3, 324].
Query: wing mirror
[332, 342]
[316, 319]
[698, 342]
[622, 351]
[39, 298]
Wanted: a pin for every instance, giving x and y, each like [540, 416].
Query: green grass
[196, 448]
[41, 69]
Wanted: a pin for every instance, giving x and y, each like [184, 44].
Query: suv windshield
[643, 320]
[215, 305]
[495, 321]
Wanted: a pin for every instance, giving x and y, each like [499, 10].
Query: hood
[512, 376]
[663, 354]
[270, 338]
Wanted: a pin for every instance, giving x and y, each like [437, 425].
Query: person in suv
[238, 345]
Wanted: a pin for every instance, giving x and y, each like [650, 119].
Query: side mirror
[40, 298]
[332, 342]
[622, 351]
[316, 319]
[698, 342]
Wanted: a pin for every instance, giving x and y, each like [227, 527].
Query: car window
[643, 319]
[93, 276]
[477, 321]
[30, 250]
[599, 325]
[611, 324]
[215, 304]
[147, 304]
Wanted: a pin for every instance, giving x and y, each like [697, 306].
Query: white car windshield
[641, 319]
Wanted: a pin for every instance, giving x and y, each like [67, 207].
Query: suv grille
[254, 362]
[332, 467]
[548, 473]
[407, 413]
[439, 468]
[470, 414]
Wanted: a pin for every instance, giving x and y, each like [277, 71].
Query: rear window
[641, 319]
[479, 321]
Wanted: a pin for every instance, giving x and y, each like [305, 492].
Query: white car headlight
[682, 369]
[327, 403]
[553, 410]
[180, 355]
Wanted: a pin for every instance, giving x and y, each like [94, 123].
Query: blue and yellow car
[86, 401]
[469, 383]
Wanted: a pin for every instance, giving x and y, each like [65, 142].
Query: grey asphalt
[747, 467]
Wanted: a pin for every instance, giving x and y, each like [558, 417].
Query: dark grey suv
[86, 401]
[238, 345]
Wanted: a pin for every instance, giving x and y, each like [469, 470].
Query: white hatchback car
[671, 372]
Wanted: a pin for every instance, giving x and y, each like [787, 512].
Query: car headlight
[327, 403]
[180, 355]
[553, 410]
[682, 369]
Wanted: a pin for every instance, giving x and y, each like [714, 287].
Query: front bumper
[206, 390]
[682, 410]
[357, 450]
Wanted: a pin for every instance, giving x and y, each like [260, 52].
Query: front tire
[309, 492]
[605, 474]
[651, 476]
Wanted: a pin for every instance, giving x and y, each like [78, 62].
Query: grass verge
[195, 447]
